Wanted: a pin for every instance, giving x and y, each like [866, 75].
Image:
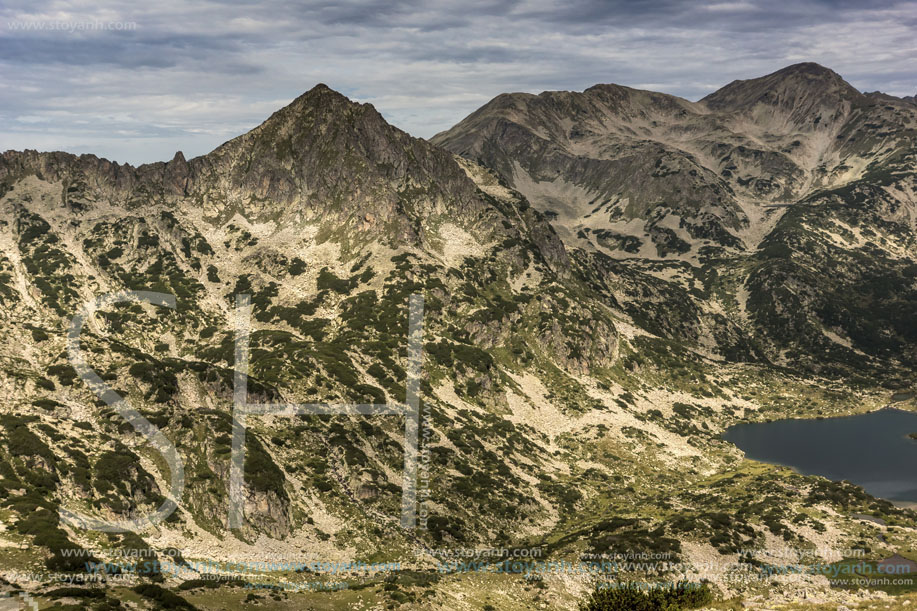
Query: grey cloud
[192, 75]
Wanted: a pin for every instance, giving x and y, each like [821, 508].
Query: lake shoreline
[822, 446]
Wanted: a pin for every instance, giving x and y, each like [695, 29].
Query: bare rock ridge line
[630, 171]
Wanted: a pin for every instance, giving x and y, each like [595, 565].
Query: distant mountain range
[795, 188]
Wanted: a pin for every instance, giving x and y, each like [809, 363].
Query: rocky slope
[794, 189]
[657, 175]
[582, 352]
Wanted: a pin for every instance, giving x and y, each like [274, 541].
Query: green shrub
[163, 382]
[212, 582]
[65, 373]
[73, 592]
[48, 404]
[42, 523]
[630, 596]
[261, 473]
[297, 266]
[23, 442]
[164, 599]
[327, 280]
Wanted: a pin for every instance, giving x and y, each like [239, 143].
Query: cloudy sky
[136, 81]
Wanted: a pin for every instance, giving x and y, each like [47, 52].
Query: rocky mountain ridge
[658, 175]
[749, 181]
[610, 278]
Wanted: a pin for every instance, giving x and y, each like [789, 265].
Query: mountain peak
[312, 112]
[318, 91]
[799, 88]
[324, 154]
[321, 98]
[810, 68]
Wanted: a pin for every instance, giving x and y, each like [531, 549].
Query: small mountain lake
[871, 450]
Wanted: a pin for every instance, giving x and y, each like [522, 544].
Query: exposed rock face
[321, 158]
[265, 512]
[624, 171]
[805, 96]
[776, 181]
[324, 154]
[600, 158]
[322, 211]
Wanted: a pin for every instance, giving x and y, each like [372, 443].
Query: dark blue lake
[872, 450]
